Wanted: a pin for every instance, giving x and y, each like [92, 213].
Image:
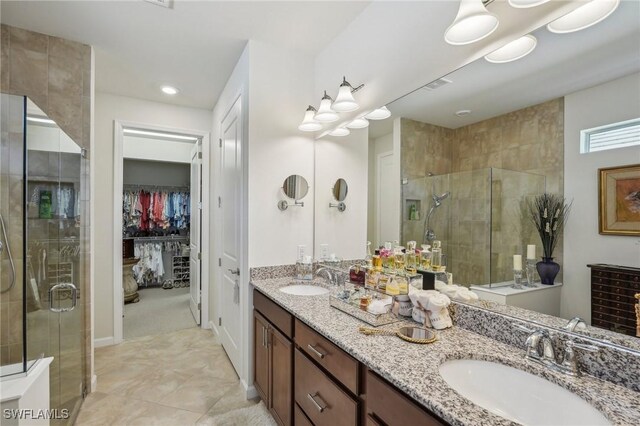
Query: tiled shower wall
[56, 75]
[528, 140]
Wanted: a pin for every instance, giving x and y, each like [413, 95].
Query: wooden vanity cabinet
[273, 358]
[386, 405]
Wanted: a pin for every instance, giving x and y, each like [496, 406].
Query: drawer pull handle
[315, 351]
[320, 407]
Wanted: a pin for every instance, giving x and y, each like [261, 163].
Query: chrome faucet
[574, 323]
[539, 348]
[332, 276]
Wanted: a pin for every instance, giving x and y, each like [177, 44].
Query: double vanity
[313, 367]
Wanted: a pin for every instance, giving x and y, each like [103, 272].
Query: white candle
[531, 251]
[517, 262]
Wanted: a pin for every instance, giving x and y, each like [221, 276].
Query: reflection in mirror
[295, 187]
[340, 189]
[473, 147]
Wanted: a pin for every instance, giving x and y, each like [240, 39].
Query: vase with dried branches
[549, 213]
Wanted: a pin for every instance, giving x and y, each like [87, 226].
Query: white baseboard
[103, 341]
[94, 383]
[250, 391]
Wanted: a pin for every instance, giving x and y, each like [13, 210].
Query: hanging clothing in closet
[156, 210]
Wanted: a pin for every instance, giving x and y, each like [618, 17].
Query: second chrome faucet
[539, 348]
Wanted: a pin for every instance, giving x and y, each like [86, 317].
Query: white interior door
[386, 190]
[195, 237]
[230, 205]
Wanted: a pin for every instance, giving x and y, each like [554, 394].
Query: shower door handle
[63, 286]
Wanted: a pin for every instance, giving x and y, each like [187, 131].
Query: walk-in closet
[156, 232]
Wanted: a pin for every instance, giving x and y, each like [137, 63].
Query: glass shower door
[55, 325]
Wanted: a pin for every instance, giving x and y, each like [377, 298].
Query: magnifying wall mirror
[295, 187]
[339, 191]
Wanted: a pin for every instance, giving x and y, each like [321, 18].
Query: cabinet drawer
[391, 407]
[336, 361]
[280, 318]
[322, 400]
[299, 418]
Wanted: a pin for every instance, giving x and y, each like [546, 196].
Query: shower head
[437, 199]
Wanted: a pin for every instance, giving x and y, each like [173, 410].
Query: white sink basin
[304, 290]
[517, 395]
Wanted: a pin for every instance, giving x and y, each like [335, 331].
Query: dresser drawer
[299, 418]
[324, 403]
[386, 405]
[336, 361]
[276, 315]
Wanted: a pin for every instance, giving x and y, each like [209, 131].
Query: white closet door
[231, 210]
[195, 234]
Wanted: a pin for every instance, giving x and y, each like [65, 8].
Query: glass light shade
[358, 123]
[524, 4]
[473, 22]
[345, 101]
[514, 50]
[584, 16]
[340, 131]
[309, 124]
[378, 114]
[325, 114]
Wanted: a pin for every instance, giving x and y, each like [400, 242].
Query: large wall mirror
[461, 156]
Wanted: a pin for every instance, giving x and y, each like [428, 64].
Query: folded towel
[433, 306]
[456, 292]
[421, 317]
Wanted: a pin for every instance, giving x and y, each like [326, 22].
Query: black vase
[547, 269]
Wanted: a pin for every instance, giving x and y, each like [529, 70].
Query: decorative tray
[352, 307]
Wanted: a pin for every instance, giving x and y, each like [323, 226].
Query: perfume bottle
[377, 261]
[412, 259]
[392, 288]
[400, 258]
[436, 256]
[387, 256]
[403, 284]
[425, 257]
[369, 258]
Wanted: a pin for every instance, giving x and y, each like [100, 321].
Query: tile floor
[178, 378]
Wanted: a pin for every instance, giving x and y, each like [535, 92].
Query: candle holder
[531, 271]
[517, 279]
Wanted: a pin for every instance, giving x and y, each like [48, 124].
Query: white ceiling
[561, 64]
[193, 46]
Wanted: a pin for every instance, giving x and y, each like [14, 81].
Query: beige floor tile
[232, 400]
[198, 393]
[158, 415]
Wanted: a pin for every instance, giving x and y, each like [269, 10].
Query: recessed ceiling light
[340, 131]
[463, 112]
[584, 16]
[513, 51]
[524, 4]
[170, 90]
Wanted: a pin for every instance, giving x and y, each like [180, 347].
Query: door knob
[234, 271]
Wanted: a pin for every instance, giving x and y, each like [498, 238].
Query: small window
[611, 136]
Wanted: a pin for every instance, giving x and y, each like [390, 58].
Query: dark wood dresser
[612, 297]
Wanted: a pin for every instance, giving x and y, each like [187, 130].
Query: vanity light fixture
[170, 90]
[345, 102]
[340, 131]
[379, 114]
[325, 113]
[309, 124]
[473, 22]
[583, 17]
[525, 4]
[358, 123]
[513, 50]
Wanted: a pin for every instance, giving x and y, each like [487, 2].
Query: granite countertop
[414, 368]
